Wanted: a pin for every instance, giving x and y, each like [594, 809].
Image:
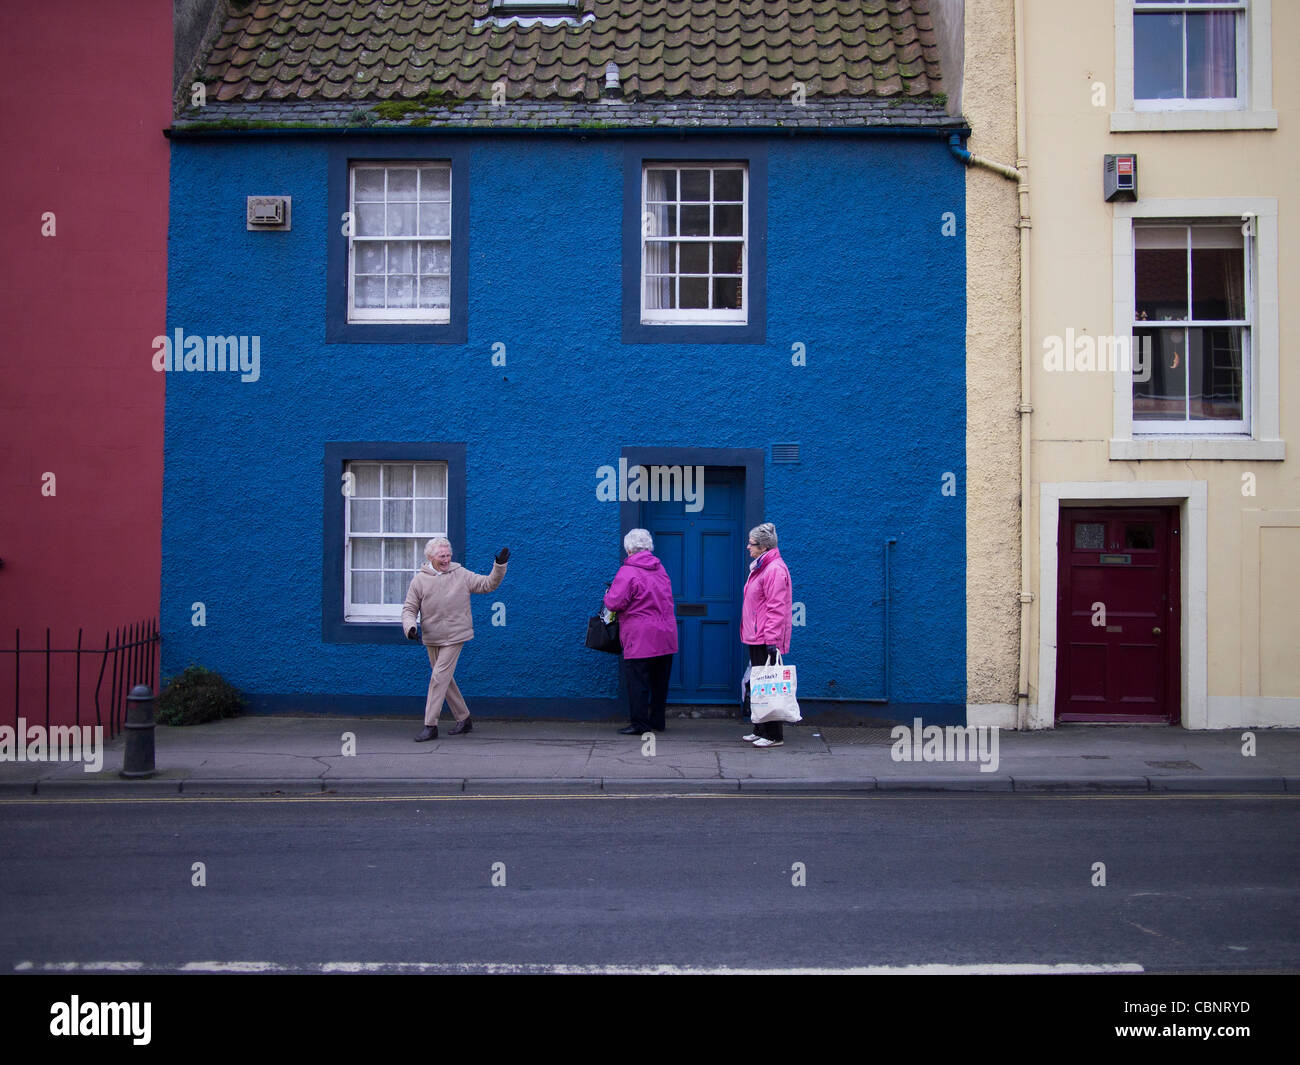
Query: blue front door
[704, 554]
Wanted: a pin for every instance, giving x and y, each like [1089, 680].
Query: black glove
[503, 556]
[412, 633]
[772, 651]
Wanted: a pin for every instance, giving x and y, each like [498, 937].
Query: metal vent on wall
[268, 212]
[787, 454]
[536, 7]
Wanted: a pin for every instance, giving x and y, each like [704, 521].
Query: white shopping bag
[772, 693]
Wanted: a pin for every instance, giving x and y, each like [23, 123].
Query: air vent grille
[268, 212]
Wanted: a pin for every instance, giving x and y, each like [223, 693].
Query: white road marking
[80, 967]
[239, 967]
[391, 967]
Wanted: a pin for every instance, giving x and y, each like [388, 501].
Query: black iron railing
[129, 657]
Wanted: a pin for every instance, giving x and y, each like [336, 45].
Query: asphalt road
[1191, 884]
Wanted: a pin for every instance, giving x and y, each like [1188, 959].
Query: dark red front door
[1118, 615]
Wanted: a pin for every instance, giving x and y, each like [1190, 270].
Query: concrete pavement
[352, 756]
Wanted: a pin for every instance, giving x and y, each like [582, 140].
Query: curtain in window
[1234, 287]
[1226, 391]
[658, 253]
[1212, 55]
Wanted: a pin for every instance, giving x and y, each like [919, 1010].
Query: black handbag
[602, 635]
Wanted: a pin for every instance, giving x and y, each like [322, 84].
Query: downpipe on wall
[971, 159]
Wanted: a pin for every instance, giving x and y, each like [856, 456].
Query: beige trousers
[442, 684]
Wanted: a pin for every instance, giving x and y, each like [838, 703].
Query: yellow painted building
[1147, 345]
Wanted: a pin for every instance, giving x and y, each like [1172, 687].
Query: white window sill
[399, 321]
[1197, 447]
[1158, 121]
[694, 321]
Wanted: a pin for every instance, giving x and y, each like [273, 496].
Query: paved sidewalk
[305, 756]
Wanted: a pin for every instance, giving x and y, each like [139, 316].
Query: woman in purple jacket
[765, 619]
[642, 596]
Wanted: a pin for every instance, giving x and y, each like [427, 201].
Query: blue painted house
[532, 274]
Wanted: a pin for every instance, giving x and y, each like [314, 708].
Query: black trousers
[773, 730]
[647, 690]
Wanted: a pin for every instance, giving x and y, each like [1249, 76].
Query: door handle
[1155, 631]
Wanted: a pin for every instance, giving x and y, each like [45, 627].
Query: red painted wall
[85, 92]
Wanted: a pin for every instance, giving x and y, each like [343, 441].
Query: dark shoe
[630, 731]
[461, 727]
[429, 732]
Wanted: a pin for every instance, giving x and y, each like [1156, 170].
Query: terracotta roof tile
[401, 49]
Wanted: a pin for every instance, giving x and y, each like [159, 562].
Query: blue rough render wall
[858, 271]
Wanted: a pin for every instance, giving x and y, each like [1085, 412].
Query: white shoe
[764, 742]
[751, 737]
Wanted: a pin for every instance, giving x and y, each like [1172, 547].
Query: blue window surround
[334, 629]
[749, 459]
[338, 330]
[638, 152]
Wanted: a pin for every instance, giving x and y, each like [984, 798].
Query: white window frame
[404, 315]
[696, 315]
[1260, 364]
[1208, 426]
[385, 612]
[1253, 108]
[1235, 103]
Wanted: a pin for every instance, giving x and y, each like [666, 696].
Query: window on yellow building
[1193, 65]
[1192, 327]
[1188, 54]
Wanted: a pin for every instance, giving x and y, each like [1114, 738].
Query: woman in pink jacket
[642, 596]
[765, 619]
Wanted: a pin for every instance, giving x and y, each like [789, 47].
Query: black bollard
[137, 761]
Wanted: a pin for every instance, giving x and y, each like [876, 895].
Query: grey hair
[764, 535]
[434, 544]
[638, 540]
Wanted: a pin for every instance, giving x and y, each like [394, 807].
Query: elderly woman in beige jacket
[439, 594]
